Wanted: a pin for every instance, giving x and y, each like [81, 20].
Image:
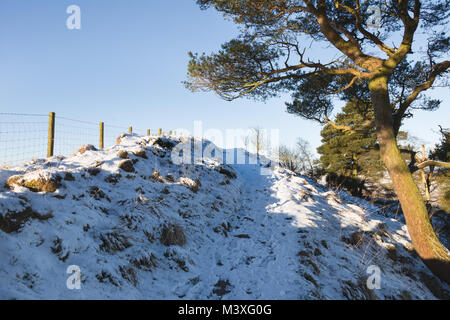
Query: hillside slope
[141, 227]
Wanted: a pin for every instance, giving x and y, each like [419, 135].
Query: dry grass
[222, 288]
[129, 274]
[57, 249]
[145, 263]
[105, 276]
[228, 172]
[310, 278]
[113, 178]
[69, 177]
[434, 285]
[170, 178]
[93, 171]
[113, 242]
[358, 290]
[164, 143]
[157, 177]
[13, 221]
[191, 184]
[304, 195]
[172, 235]
[356, 239]
[119, 139]
[97, 193]
[392, 253]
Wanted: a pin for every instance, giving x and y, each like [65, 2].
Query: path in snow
[258, 258]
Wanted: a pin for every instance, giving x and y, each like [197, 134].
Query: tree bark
[421, 232]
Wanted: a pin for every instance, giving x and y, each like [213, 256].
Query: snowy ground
[249, 236]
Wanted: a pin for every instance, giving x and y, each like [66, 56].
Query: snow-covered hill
[142, 227]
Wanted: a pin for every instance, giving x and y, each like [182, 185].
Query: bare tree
[289, 158]
[305, 154]
[257, 139]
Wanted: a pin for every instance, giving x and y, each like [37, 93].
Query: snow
[276, 236]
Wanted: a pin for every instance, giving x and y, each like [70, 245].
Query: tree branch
[433, 163]
[437, 70]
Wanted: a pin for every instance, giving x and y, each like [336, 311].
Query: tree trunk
[355, 169]
[423, 237]
[426, 186]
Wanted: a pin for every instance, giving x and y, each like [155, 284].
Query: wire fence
[24, 137]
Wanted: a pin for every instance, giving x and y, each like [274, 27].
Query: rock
[172, 234]
[141, 154]
[87, 147]
[122, 154]
[127, 165]
[40, 184]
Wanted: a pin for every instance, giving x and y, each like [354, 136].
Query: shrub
[69, 177]
[113, 178]
[353, 185]
[113, 241]
[13, 221]
[145, 263]
[230, 174]
[129, 274]
[170, 178]
[164, 143]
[172, 234]
[289, 159]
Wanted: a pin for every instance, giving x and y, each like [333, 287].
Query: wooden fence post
[170, 132]
[130, 130]
[51, 135]
[148, 132]
[160, 132]
[102, 135]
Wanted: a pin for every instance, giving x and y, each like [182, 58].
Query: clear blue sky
[125, 66]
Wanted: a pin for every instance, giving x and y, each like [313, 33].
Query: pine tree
[352, 155]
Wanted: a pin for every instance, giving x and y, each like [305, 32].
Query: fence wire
[24, 137]
[71, 134]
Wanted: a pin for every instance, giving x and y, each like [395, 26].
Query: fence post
[160, 132]
[102, 135]
[51, 135]
[170, 132]
[148, 132]
[130, 130]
